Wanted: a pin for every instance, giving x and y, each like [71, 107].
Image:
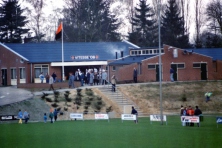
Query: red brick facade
[188, 73]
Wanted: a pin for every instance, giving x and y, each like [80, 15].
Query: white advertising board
[157, 118]
[76, 116]
[193, 119]
[128, 117]
[101, 116]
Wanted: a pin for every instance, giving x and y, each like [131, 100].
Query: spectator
[82, 77]
[51, 81]
[207, 95]
[91, 78]
[51, 115]
[171, 74]
[47, 78]
[20, 115]
[54, 77]
[198, 112]
[55, 114]
[134, 112]
[71, 80]
[104, 77]
[135, 75]
[113, 82]
[45, 118]
[41, 76]
[26, 116]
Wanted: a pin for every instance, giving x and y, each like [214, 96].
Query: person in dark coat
[135, 75]
[134, 112]
[71, 80]
[55, 113]
[197, 112]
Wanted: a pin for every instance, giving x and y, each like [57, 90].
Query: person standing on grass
[51, 115]
[20, 115]
[135, 75]
[55, 114]
[113, 82]
[51, 81]
[134, 112]
[26, 116]
[45, 118]
[198, 113]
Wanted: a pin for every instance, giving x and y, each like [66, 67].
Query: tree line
[95, 21]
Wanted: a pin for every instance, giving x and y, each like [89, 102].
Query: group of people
[52, 115]
[47, 77]
[189, 111]
[90, 77]
[22, 116]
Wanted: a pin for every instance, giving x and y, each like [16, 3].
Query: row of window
[145, 52]
[22, 73]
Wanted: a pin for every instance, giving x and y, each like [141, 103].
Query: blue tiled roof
[130, 59]
[215, 53]
[52, 52]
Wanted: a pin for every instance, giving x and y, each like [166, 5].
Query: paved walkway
[12, 94]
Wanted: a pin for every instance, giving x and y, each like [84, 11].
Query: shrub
[184, 97]
[86, 107]
[109, 109]
[65, 108]
[67, 92]
[87, 102]
[68, 99]
[99, 98]
[56, 93]
[78, 90]
[91, 98]
[89, 93]
[99, 102]
[85, 112]
[48, 99]
[54, 105]
[58, 109]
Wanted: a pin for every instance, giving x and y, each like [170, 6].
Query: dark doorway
[203, 71]
[174, 67]
[157, 73]
[4, 77]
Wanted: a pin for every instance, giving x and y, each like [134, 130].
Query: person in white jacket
[51, 81]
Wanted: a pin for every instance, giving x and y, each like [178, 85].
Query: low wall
[57, 85]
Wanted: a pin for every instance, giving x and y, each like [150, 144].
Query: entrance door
[203, 69]
[4, 77]
[157, 73]
[174, 67]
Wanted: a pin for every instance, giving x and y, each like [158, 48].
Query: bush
[85, 112]
[90, 99]
[184, 97]
[87, 102]
[54, 105]
[99, 98]
[109, 109]
[67, 92]
[65, 108]
[86, 107]
[56, 93]
[58, 109]
[48, 99]
[68, 99]
[99, 102]
[78, 90]
[89, 93]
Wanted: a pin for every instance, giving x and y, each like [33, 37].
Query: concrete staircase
[119, 98]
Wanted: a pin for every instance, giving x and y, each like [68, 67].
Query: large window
[196, 65]
[151, 66]
[22, 73]
[13, 73]
[41, 68]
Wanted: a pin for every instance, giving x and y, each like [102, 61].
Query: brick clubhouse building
[23, 63]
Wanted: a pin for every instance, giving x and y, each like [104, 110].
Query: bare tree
[199, 20]
[214, 14]
[36, 18]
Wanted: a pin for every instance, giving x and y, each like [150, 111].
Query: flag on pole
[58, 32]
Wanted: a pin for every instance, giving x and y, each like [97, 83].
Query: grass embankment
[111, 134]
[146, 96]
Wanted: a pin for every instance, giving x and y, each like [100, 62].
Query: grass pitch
[101, 133]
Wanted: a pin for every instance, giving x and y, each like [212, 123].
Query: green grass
[100, 134]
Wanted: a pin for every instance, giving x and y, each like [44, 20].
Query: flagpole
[63, 74]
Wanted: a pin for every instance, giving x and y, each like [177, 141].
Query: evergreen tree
[144, 31]
[172, 29]
[12, 22]
[90, 21]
